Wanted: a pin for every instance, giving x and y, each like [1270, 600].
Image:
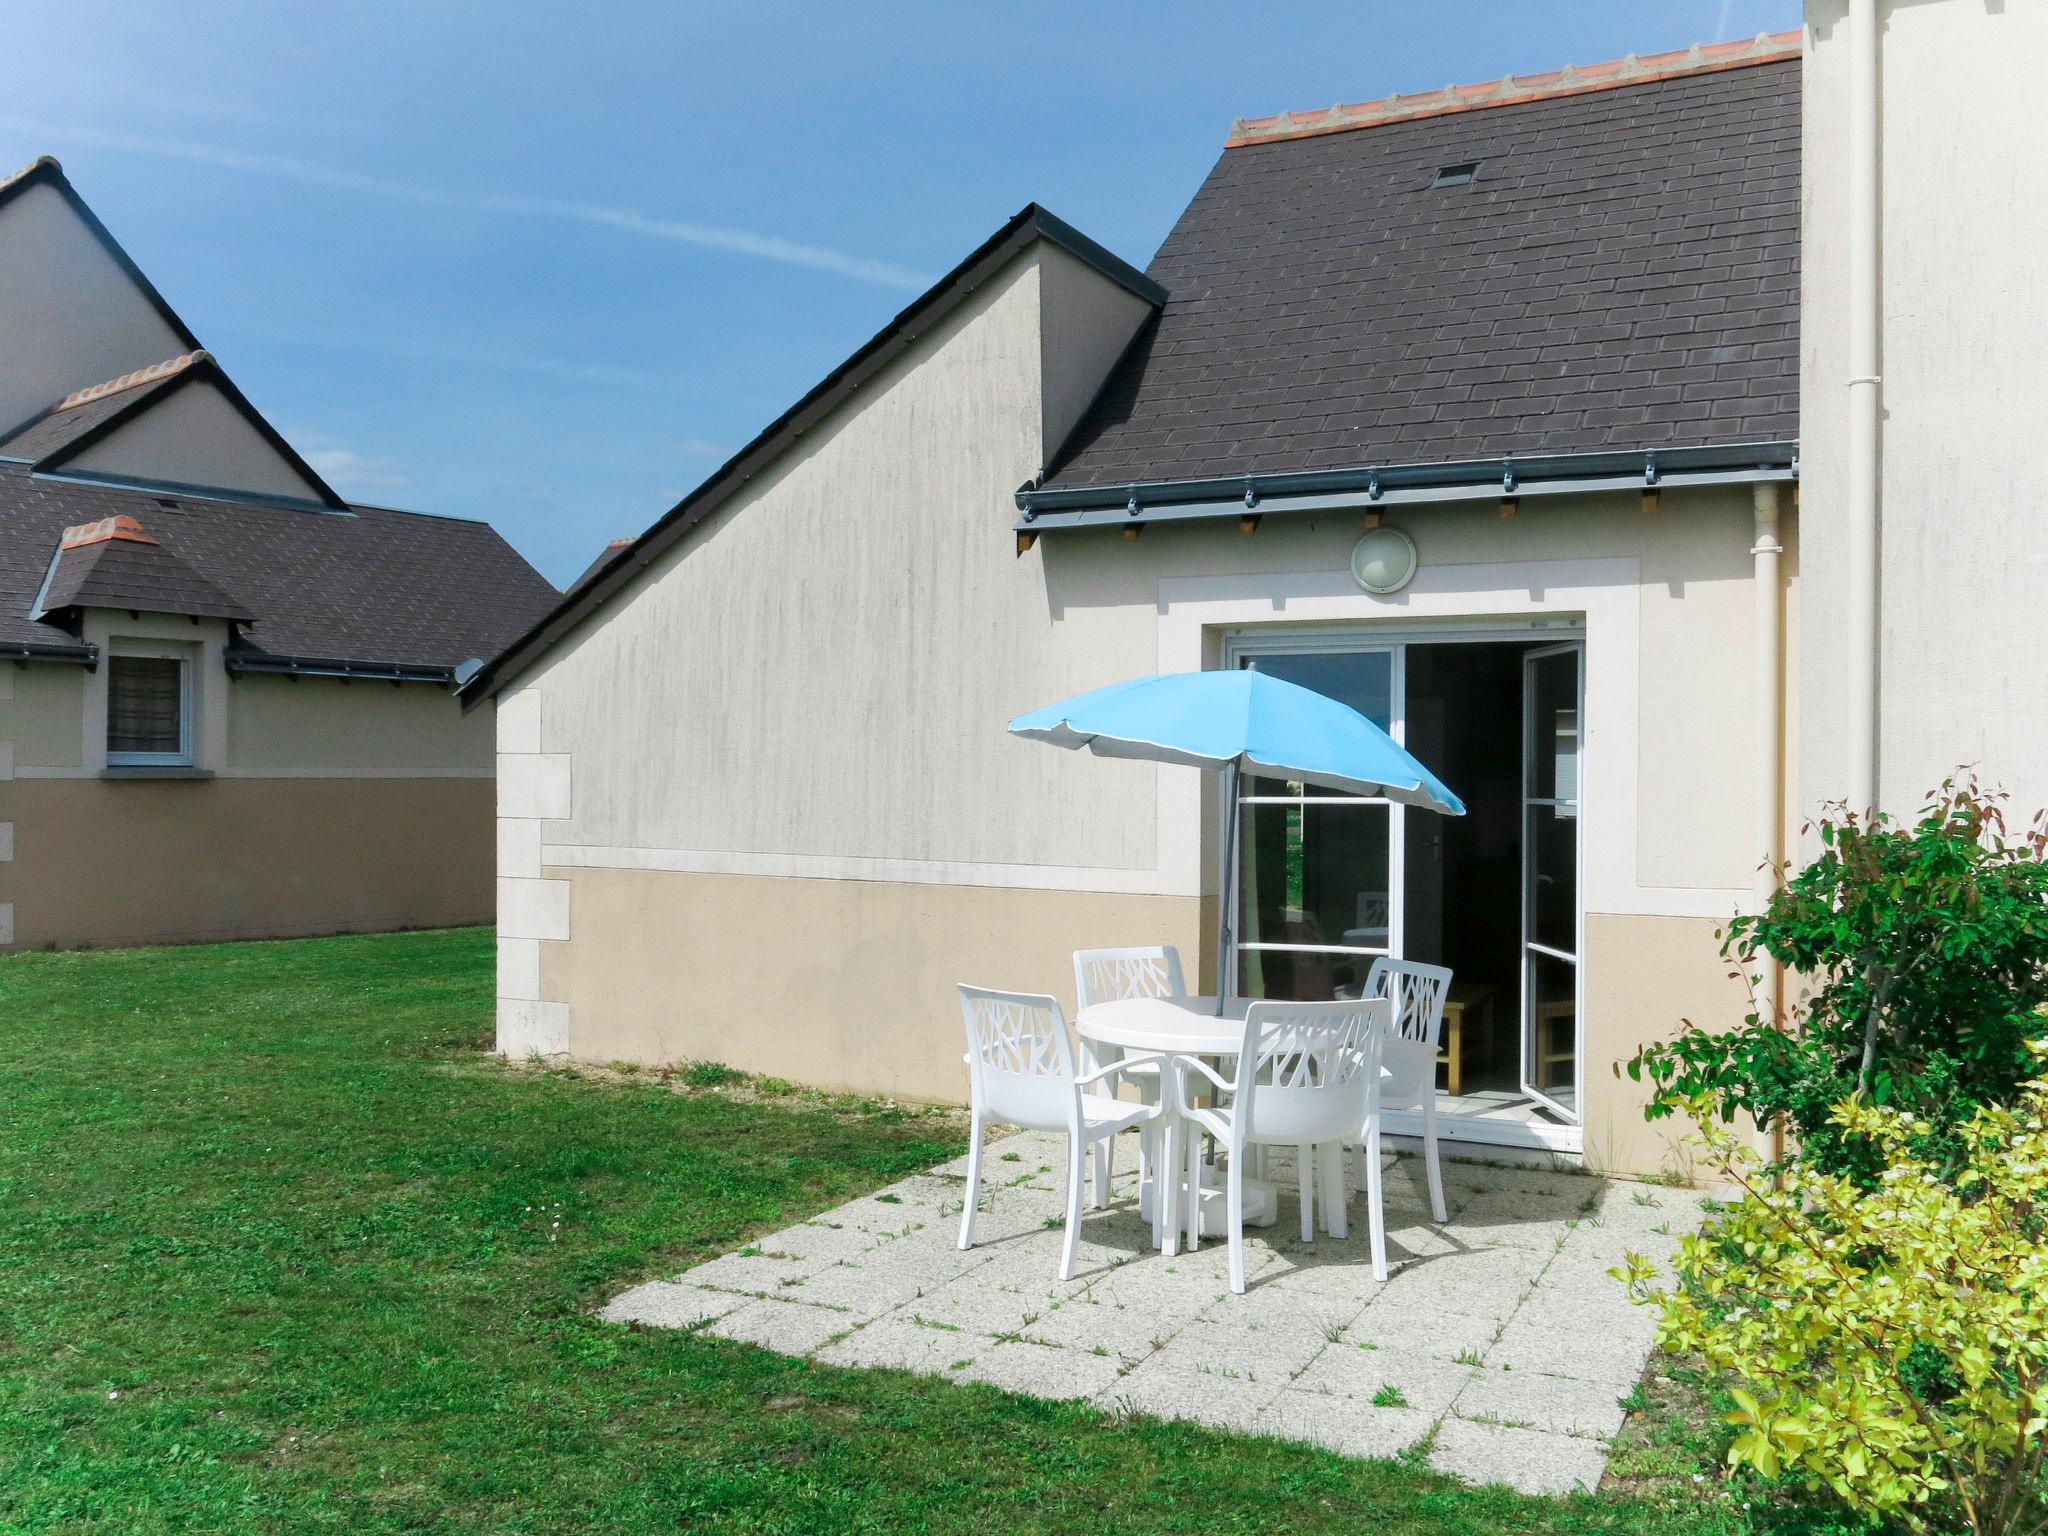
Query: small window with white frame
[149, 709]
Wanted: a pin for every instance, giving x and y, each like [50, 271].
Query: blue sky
[549, 265]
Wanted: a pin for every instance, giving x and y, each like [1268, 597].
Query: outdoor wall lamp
[1384, 561]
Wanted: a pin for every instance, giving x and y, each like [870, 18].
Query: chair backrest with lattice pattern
[1106, 975]
[1302, 1073]
[1020, 1058]
[1417, 993]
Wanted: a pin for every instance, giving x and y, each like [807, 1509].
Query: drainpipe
[1768, 730]
[1862, 540]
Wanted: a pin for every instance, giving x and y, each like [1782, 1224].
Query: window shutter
[145, 704]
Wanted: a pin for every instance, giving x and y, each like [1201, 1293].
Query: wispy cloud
[457, 356]
[718, 237]
[349, 471]
[703, 448]
[1721, 21]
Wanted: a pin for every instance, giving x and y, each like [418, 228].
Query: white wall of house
[72, 317]
[761, 806]
[796, 688]
[1962, 485]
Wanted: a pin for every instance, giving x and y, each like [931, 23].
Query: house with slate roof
[1488, 410]
[226, 693]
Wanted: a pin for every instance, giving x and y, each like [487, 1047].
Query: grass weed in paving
[282, 1251]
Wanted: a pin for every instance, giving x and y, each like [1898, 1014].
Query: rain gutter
[325, 666]
[1378, 485]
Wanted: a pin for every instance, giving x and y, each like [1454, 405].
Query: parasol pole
[1227, 886]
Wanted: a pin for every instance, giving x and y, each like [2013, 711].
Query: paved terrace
[1499, 1338]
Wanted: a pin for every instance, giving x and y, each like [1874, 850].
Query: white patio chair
[1020, 1066]
[1107, 976]
[1299, 1080]
[1414, 1027]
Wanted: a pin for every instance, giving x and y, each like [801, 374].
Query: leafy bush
[1890, 1339]
[1927, 947]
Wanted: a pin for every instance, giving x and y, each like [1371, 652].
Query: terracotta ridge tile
[1511, 90]
[149, 375]
[78, 535]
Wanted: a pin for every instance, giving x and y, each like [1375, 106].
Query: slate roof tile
[380, 586]
[1623, 272]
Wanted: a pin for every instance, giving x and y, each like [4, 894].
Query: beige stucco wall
[1964, 210]
[357, 805]
[1644, 975]
[762, 809]
[194, 436]
[71, 317]
[826, 982]
[102, 863]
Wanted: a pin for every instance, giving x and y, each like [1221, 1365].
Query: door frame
[1239, 641]
[1524, 1020]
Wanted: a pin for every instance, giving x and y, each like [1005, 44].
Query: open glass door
[1553, 687]
[1317, 870]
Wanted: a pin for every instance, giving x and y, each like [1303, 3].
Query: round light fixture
[1384, 561]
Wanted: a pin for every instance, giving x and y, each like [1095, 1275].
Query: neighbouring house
[1480, 409]
[226, 694]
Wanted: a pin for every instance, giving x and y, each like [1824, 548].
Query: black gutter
[329, 666]
[1371, 485]
[87, 656]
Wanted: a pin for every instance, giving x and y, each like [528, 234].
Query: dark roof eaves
[928, 309]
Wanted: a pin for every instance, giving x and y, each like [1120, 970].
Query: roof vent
[1463, 174]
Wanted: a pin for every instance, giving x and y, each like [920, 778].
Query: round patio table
[1189, 1025]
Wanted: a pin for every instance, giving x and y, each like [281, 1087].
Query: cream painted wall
[72, 318]
[321, 727]
[41, 717]
[194, 436]
[1085, 324]
[768, 790]
[815, 680]
[1676, 585]
[1964, 210]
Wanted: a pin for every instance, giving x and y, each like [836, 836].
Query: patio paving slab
[1527, 1460]
[1561, 1405]
[1038, 1370]
[662, 1304]
[787, 1327]
[1201, 1397]
[1498, 1330]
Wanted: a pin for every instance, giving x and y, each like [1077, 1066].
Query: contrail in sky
[716, 237]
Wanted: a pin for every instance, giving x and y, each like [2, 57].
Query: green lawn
[281, 1251]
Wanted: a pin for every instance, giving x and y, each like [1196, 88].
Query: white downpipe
[1862, 541]
[1768, 731]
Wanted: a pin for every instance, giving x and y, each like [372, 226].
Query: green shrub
[1927, 948]
[1888, 1339]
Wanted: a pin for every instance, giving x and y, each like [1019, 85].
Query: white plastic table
[1190, 1026]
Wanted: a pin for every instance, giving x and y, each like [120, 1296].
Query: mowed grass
[282, 1251]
